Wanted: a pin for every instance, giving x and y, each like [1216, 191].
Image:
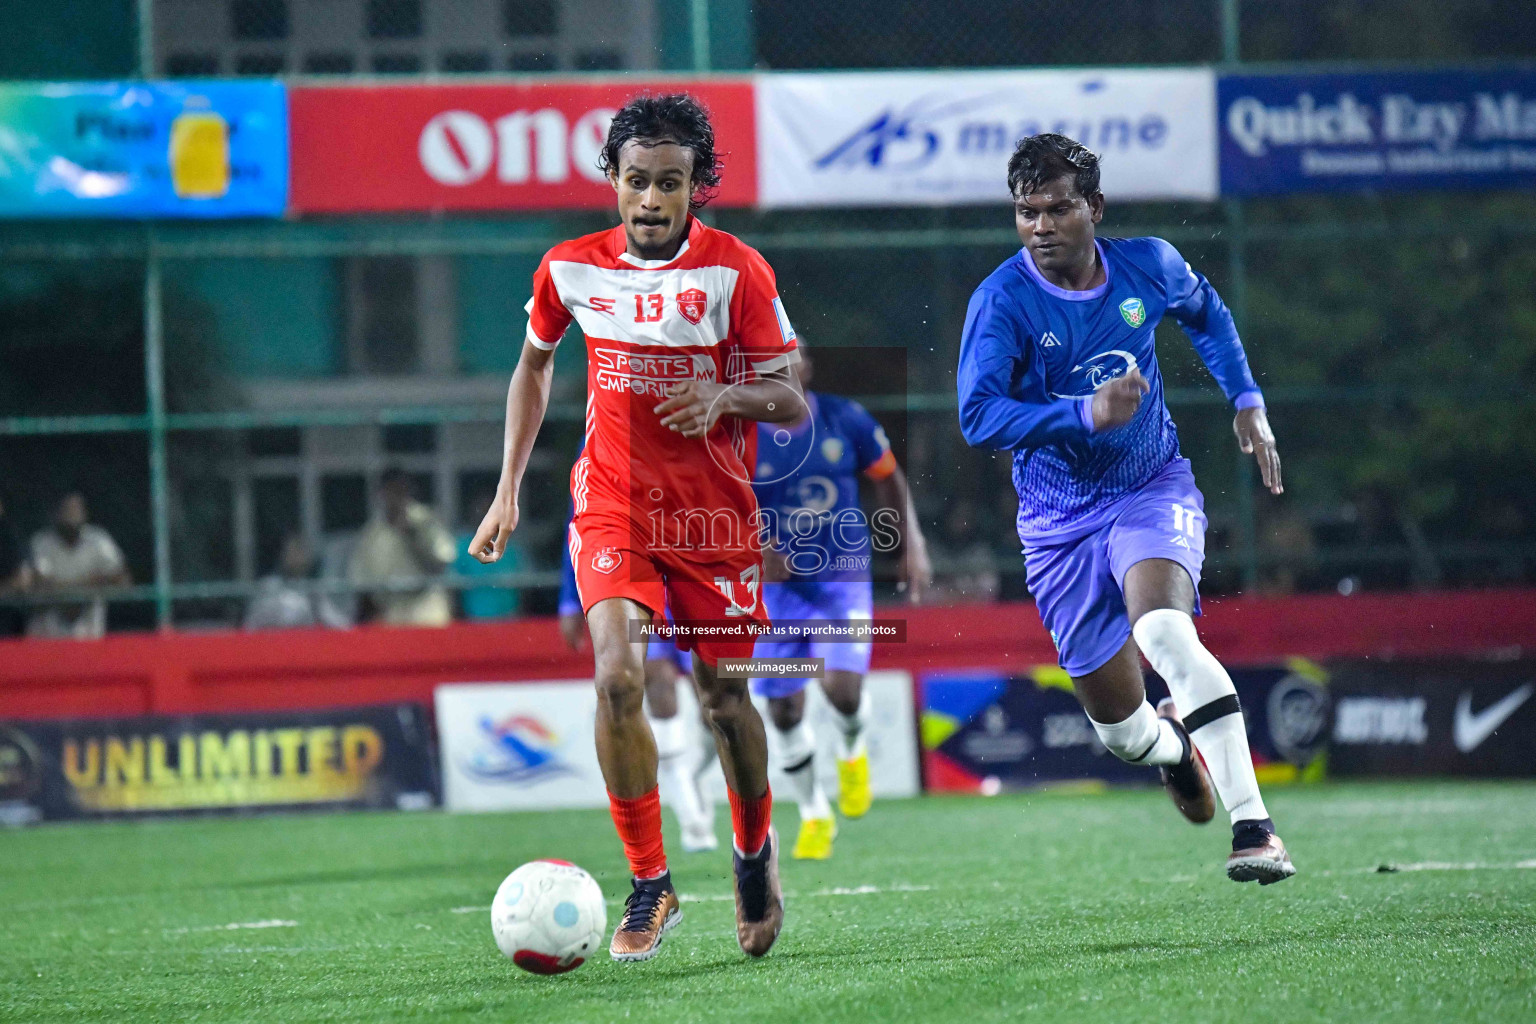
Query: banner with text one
[513, 146]
[1391, 130]
[359, 757]
[143, 149]
[924, 138]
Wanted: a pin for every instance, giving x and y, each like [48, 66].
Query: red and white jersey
[710, 313]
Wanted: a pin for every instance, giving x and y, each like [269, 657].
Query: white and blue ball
[548, 916]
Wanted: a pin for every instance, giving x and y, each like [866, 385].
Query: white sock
[850, 728]
[674, 772]
[1143, 738]
[797, 754]
[1207, 701]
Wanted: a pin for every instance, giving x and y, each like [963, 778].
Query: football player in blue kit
[1057, 365]
[817, 569]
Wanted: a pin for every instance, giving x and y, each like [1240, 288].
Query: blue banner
[143, 150]
[1394, 130]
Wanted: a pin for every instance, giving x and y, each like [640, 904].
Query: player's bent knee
[1201, 687]
[725, 702]
[620, 686]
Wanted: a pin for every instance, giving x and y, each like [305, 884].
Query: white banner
[518, 746]
[918, 138]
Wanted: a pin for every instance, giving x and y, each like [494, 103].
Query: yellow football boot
[815, 839]
[853, 797]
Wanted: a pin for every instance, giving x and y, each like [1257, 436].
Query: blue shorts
[836, 601]
[1078, 585]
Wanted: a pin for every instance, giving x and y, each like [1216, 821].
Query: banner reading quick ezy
[143, 149]
[1397, 130]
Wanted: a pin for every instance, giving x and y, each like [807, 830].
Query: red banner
[534, 146]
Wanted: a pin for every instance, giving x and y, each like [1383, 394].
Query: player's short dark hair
[678, 118]
[1038, 159]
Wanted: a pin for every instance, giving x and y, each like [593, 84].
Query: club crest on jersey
[832, 449]
[606, 560]
[1134, 312]
[692, 304]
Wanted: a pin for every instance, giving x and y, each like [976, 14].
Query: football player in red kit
[687, 344]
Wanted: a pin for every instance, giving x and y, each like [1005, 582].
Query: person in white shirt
[74, 554]
[408, 548]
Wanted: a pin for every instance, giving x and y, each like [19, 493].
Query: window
[533, 62]
[599, 60]
[465, 62]
[394, 19]
[328, 64]
[396, 64]
[343, 502]
[382, 326]
[528, 17]
[259, 19]
[260, 64]
[191, 65]
[410, 438]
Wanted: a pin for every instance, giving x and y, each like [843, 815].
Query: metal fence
[141, 364]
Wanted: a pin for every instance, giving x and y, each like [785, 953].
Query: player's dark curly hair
[1041, 158]
[678, 118]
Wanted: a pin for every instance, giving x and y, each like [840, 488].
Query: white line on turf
[233, 927]
[858, 890]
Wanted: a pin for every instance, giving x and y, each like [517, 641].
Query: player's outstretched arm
[527, 398]
[694, 407]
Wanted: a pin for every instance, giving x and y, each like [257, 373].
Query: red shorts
[611, 561]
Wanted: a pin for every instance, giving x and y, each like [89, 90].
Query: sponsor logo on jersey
[648, 374]
[692, 304]
[1094, 372]
[1050, 340]
[607, 560]
[1134, 312]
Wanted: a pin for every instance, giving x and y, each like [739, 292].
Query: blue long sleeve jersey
[1032, 355]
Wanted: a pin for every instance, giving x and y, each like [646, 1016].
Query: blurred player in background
[687, 341]
[1057, 365]
[818, 568]
[680, 757]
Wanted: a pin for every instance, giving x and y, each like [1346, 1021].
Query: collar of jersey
[622, 245]
[1067, 293]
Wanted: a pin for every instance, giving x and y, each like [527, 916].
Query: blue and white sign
[1398, 130]
[143, 149]
[944, 138]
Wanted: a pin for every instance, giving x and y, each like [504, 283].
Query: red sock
[750, 819]
[639, 825]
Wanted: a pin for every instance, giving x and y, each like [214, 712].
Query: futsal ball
[548, 916]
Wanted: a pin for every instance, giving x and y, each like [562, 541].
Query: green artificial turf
[1042, 907]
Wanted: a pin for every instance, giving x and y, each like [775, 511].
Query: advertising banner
[358, 757]
[987, 732]
[924, 138]
[143, 149]
[515, 746]
[515, 146]
[1387, 130]
[1458, 717]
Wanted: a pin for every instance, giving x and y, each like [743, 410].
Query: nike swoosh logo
[1472, 729]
